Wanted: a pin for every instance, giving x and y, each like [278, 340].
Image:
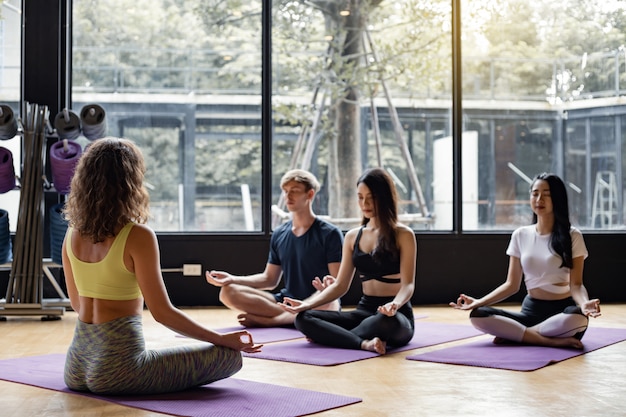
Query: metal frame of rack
[24, 295]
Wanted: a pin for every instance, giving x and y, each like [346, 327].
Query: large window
[542, 86]
[361, 84]
[357, 84]
[183, 80]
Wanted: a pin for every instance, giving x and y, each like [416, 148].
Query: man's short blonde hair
[303, 177]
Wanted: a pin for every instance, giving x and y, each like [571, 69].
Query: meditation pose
[112, 266]
[300, 249]
[383, 252]
[550, 255]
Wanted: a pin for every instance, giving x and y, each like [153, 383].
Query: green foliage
[522, 43]
[510, 48]
[160, 151]
[239, 162]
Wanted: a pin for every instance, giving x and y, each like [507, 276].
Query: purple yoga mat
[486, 354]
[229, 397]
[266, 334]
[302, 351]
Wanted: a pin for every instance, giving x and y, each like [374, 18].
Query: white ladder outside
[604, 200]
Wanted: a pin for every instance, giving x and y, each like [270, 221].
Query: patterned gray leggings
[111, 358]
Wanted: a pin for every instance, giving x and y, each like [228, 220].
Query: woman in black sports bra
[383, 253]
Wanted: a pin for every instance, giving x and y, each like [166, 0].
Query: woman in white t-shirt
[549, 254]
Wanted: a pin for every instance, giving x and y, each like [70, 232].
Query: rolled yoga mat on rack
[93, 121]
[302, 351]
[7, 171]
[6, 251]
[8, 123]
[515, 357]
[67, 124]
[64, 156]
[230, 397]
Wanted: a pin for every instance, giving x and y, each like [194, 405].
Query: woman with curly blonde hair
[112, 266]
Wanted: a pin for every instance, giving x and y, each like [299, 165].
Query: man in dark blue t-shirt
[301, 250]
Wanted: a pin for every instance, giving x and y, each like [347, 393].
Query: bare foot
[374, 345]
[253, 320]
[533, 338]
[566, 342]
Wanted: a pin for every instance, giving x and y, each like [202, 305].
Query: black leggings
[349, 329]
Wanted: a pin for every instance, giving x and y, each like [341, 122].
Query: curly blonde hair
[107, 189]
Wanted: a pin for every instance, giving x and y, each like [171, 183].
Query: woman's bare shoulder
[350, 236]
[140, 234]
[353, 231]
[403, 229]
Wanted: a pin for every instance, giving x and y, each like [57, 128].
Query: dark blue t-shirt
[302, 258]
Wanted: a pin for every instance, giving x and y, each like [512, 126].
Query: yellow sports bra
[107, 279]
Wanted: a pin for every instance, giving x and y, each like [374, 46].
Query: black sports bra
[369, 268]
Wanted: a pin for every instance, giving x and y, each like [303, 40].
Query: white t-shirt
[539, 262]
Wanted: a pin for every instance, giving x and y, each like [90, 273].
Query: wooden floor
[593, 384]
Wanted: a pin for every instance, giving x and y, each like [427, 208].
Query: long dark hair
[386, 203]
[560, 240]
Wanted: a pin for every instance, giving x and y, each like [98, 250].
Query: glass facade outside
[349, 88]
[542, 89]
[183, 80]
[356, 84]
